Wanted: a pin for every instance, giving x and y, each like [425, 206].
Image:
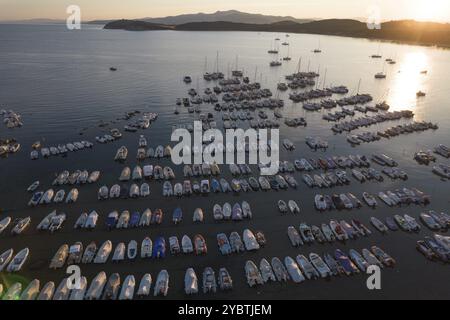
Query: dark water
[61, 84]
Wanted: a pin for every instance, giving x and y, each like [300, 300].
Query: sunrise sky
[424, 10]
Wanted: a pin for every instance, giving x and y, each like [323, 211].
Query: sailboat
[380, 75]
[273, 50]
[287, 58]
[318, 50]
[377, 55]
[236, 72]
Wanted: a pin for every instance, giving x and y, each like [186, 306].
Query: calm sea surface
[59, 81]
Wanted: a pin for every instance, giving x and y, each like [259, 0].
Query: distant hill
[135, 25]
[422, 33]
[228, 16]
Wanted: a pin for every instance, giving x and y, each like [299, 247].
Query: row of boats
[11, 119]
[206, 186]
[433, 220]
[50, 196]
[158, 152]
[235, 244]
[339, 115]
[316, 143]
[75, 177]
[442, 170]
[126, 219]
[114, 135]
[339, 177]
[19, 225]
[349, 201]
[330, 163]
[52, 222]
[10, 262]
[442, 150]
[237, 212]
[143, 122]
[435, 248]
[327, 232]
[77, 254]
[103, 287]
[391, 132]
[315, 267]
[329, 103]
[61, 149]
[371, 120]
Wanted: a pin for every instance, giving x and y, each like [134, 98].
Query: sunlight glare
[406, 83]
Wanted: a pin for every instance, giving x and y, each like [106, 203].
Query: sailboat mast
[217, 62]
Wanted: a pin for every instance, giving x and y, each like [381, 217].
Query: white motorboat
[93, 177]
[127, 292]
[162, 284]
[132, 250]
[59, 196]
[253, 274]
[91, 221]
[293, 270]
[33, 186]
[72, 196]
[144, 286]
[124, 220]
[31, 291]
[125, 175]
[4, 223]
[62, 292]
[95, 290]
[186, 245]
[134, 191]
[145, 190]
[198, 215]
[89, 253]
[21, 226]
[79, 293]
[47, 197]
[103, 252]
[13, 292]
[146, 218]
[266, 271]
[146, 248]
[103, 193]
[47, 291]
[60, 257]
[190, 282]
[5, 258]
[114, 192]
[18, 261]
[250, 240]
[119, 252]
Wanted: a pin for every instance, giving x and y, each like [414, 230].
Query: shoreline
[403, 32]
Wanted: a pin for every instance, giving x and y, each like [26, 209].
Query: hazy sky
[434, 10]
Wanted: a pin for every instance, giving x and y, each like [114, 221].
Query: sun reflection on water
[408, 81]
